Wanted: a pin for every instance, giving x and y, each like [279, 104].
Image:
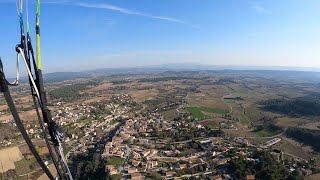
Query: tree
[266, 168]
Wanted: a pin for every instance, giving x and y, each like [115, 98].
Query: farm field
[143, 95]
[265, 133]
[95, 99]
[212, 123]
[52, 170]
[229, 100]
[290, 122]
[197, 112]
[287, 146]
[25, 116]
[208, 97]
[24, 166]
[254, 114]
[102, 87]
[240, 133]
[170, 114]
[8, 157]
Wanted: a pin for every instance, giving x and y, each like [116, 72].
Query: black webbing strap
[52, 150]
[5, 90]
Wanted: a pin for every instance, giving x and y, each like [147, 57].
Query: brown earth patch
[142, 95]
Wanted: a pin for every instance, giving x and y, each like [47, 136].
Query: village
[135, 153]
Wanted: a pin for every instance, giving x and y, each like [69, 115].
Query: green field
[265, 133]
[197, 111]
[23, 166]
[116, 161]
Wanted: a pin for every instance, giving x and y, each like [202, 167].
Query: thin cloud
[109, 7]
[120, 10]
[168, 19]
[261, 10]
[129, 12]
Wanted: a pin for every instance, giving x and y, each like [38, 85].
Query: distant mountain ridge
[196, 67]
[60, 76]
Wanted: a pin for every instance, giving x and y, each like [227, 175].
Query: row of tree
[265, 167]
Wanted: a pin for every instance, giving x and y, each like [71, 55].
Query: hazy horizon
[175, 67]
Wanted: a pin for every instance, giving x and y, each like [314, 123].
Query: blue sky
[88, 34]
